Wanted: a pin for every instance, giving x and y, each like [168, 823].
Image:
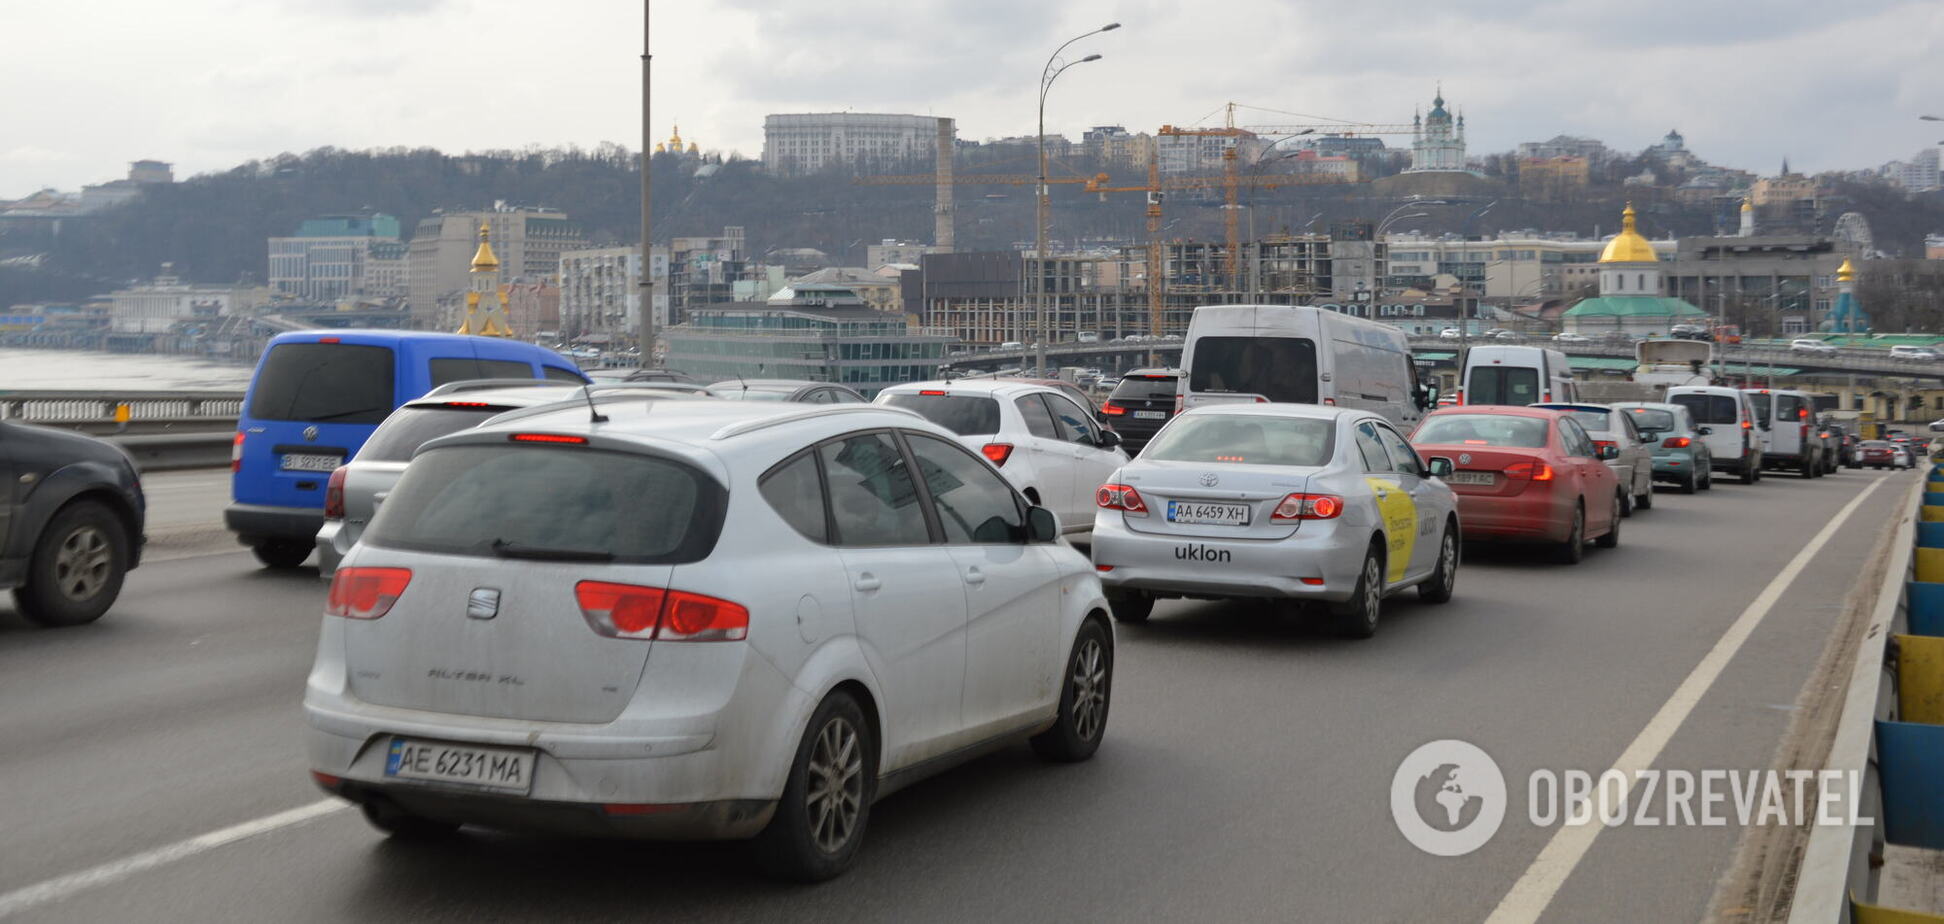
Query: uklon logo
[1201, 553]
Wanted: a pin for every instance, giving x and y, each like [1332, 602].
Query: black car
[1141, 403]
[71, 512]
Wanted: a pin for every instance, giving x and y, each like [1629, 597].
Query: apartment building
[800, 143]
[528, 241]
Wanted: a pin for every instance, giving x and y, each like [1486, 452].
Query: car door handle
[974, 576]
[866, 582]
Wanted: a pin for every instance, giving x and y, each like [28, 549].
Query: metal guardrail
[103, 412]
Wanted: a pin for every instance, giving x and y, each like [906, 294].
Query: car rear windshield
[1245, 439]
[1593, 421]
[1482, 430]
[519, 501]
[414, 425]
[965, 415]
[1647, 418]
[1282, 369]
[1707, 409]
[1875, 444]
[1148, 387]
[324, 383]
[1514, 385]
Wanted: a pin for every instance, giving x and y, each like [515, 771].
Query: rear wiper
[505, 549]
[363, 410]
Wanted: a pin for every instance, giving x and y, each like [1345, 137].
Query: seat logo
[310, 434]
[1210, 479]
[483, 603]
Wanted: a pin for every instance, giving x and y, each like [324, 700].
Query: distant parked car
[1141, 403]
[1570, 337]
[1633, 466]
[1913, 354]
[1451, 333]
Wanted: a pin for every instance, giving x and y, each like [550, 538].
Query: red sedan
[1526, 474]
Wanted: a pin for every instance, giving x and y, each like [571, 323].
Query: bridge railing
[98, 411]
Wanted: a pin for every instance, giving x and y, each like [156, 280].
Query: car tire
[1133, 608]
[1805, 470]
[1645, 501]
[77, 567]
[1357, 616]
[1612, 538]
[1438, 587]
[1747, 473]
[837, 747]
[1690, 484]
[1707, 478]
[282, 554]
[1086, 692]
[1626, 504]
[402, 825]
[1573, 550]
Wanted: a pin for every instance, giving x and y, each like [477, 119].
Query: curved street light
[1048, 74]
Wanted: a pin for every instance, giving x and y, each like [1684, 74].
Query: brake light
[236, 453]
[1605, 444]
[1329, 401]
[932, 391]
[1308, 507]
[997, 452]
[1548, 396]
[632, 611]
[1802, 412]
[1461, 396]
[365, 593]
[334, 495]
[1529, 471]
[327, 340]
[1823, 435]
[1120, 497]
[467, 404]
[1677, 442]
[1748, 425]
[1113, 409]
[548, 438]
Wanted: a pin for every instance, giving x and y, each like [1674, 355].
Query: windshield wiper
[363, 410]
[505, 549]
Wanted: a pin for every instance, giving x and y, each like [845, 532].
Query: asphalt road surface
[1245, 775]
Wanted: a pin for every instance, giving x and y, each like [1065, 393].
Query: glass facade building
[822, 337]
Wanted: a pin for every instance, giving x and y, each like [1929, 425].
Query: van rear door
[310, 406]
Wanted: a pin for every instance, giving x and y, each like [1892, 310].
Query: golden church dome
[1628, 246]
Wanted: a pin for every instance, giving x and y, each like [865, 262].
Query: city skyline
[208, 87]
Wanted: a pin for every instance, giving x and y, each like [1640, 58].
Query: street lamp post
[1048, 74]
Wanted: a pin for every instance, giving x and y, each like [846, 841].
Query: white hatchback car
[697, 619]
[1046, 445]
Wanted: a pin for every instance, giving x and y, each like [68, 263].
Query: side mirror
[1604, 453]
[1439, 467]
[1108, 440]
[1705, 431]
[1041, 526]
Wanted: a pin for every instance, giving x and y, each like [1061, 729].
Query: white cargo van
[1516, 375]
[1790, 418]
[1735, 436]
[1292, 354]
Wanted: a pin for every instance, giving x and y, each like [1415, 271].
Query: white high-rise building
[799, 143]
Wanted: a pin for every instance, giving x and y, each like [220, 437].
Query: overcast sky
[207, 84]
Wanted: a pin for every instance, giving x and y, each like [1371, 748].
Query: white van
[1728, 425]
[1790, 418]
[1516, 375]
[1298, 354]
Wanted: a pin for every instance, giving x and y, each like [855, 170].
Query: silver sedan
[1288, 502]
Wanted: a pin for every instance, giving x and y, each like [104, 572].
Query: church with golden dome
[1630, 299]
[675, 145]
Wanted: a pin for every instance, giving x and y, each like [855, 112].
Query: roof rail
[750, 426]
[484, 384]
[598, 398]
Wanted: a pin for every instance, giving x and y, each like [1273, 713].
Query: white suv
[696, 620]
[1046, 445]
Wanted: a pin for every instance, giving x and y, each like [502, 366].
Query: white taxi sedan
[1291, 502]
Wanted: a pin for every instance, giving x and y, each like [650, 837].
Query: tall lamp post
[645, 285]
[1048, 74]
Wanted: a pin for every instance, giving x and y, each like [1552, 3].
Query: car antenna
[745, 384]
[594, 414]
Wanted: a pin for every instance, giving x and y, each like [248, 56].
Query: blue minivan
[317, 395]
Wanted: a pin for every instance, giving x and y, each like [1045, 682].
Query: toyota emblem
[310, 434]
[1464, 458]
[1209, 480]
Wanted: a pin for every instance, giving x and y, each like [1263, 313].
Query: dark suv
[71, 513]
[1142, 402]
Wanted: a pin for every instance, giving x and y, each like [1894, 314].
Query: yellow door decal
[1399, 513]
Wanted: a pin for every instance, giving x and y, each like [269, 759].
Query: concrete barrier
[162, 452]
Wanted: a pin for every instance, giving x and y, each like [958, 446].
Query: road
[1245, 775]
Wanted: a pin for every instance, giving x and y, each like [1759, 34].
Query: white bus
[1292, 354]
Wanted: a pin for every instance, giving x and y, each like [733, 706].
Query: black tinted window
[1647, 418]
[446, 370]
[1708, 409]
[557, 374]
[408, 428]
[796, 494]
[965, 415]
[1282, 369]
[1039, 422]
[1515, 385]
[1147, 388]
[567, 500]
[324, 383]
[973, 503]
[872, 497]
[1403, 457]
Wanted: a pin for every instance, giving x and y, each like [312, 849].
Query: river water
[82, 370]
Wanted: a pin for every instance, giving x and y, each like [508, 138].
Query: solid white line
[61, 887]
[1534, 891]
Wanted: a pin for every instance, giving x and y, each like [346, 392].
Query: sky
[208, 84]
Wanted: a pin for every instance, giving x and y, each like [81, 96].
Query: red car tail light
[620, 610]
[236, 453]
[1677, 442]
[1529, 471]
[365, 593]
[548, 438]
[997, 452]
[1308, 507]
[688, 617]
[1605, 444]
[334, 495]
[932, 392]
[1120, 497]
[1113, 409]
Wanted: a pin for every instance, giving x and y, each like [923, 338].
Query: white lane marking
[61, 887]
[1534, 891]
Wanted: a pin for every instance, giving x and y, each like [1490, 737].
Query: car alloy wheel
[1089, 680]
[82, 563]
[835, 801]
[1357, 616]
